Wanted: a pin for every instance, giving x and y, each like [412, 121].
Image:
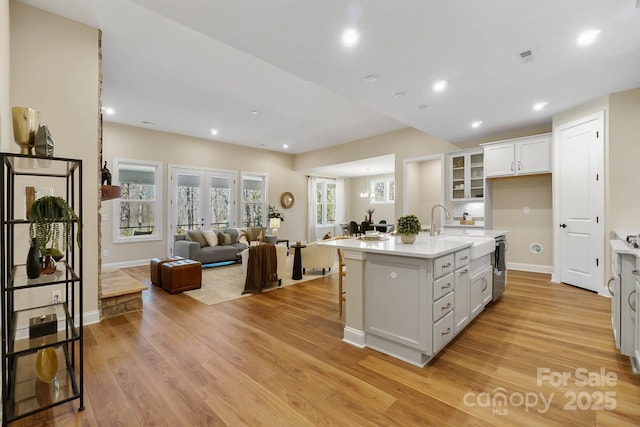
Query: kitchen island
[410, 300]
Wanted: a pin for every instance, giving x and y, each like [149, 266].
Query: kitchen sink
[481, 245]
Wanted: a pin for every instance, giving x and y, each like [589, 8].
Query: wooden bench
[120, 294]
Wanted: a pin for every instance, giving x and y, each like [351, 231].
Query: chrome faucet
[432, 229]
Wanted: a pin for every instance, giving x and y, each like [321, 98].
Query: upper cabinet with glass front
[466, 175]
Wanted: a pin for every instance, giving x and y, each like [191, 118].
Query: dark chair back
[365, 226]
[353, 228]
[382, 229]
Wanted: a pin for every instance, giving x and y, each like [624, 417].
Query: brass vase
[47, 364]
[25, 126]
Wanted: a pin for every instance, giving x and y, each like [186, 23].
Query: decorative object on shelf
[408, 228]
[55, 253]
[46, 364]
[47, 214]
[106, 175]
[43, 325]
[25, 126]
[48, 265]
[370, 213]
[33, 264]
[287, 200]
[43, 142]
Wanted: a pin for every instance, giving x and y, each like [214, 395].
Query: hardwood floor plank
[279, 359]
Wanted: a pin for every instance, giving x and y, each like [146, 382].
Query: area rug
[226, 283]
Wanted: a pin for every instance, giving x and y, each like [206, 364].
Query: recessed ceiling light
[254, 112]
[214, 131]
[109, 111]
[421, 107]
[371, 78]
[350, 37]
[440, 85]
[588, 37]
[539, 105]
[399, 94]
[476, 124]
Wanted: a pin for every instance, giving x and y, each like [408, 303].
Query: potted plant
[47, 215]
[275, 213]
[408, 227]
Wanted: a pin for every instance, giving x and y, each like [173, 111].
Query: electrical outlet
[56, 297]
[105, 253]
[525, 209]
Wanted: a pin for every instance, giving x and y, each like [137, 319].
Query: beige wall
[405, 143]
[424, 187]
[6, 133]
[510, 197]
[55, 69]
[358, 206]
[171, 149]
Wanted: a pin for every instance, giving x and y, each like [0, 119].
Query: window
[254, 199]
[138, 212]
[383, 190]
[326, 198]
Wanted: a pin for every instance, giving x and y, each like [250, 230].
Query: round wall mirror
[286, 200]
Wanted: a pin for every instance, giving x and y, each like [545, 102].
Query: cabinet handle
[611, 279]
[511, 166]
[446, 307]
[464, 258]
[447, 265]
[519, 165]
[486, 284]
[635, 272]
[633, 306]
[448, 331]
[465, 271]
[447, 286]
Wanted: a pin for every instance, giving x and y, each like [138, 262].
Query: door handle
[563, 225]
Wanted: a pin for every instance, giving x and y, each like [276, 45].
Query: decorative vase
[25, 126]
[47, 364]
[34, 263]
[43, 144]
[48, 265]
[408, 238]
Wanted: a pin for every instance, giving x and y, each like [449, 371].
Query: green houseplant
[408, 227]
[47, 215]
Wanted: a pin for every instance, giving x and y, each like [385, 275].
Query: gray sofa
[185, 247]
[193, 244]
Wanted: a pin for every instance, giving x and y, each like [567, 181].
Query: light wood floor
[278, 359]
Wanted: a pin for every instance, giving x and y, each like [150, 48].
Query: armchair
[281, 257]
[316, 257]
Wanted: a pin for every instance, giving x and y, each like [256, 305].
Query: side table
[296, 274]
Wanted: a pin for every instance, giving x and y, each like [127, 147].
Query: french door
[201, 198]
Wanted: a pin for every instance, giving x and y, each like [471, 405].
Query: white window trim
[387, 182]
[265, 202]
[324, 183]
[158, 202]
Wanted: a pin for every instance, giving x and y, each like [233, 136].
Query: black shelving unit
[23, 394]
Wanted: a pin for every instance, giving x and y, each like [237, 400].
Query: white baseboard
[354, 337]
[125, 264]
[534, 268]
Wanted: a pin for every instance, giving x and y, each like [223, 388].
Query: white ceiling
[191, 65]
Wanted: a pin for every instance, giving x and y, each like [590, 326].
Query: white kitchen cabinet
[521, 156]
[466, 175]
[480, 291]
[637, 340]
[461, 290]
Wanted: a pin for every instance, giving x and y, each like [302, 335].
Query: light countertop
[424, 246]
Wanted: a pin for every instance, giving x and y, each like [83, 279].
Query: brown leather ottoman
[183, 275]
[156, 268]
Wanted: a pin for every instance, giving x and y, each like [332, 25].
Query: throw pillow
[224, 239]
[196, 236]
[260, 237]
[211, 237]
[242, 236]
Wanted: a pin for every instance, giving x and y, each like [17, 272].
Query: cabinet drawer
[443, 306]
[442, 266]
[462, 258]
[442, 286]
[442, 332]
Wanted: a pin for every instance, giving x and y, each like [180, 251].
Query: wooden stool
[183, 275]
[156, 268]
